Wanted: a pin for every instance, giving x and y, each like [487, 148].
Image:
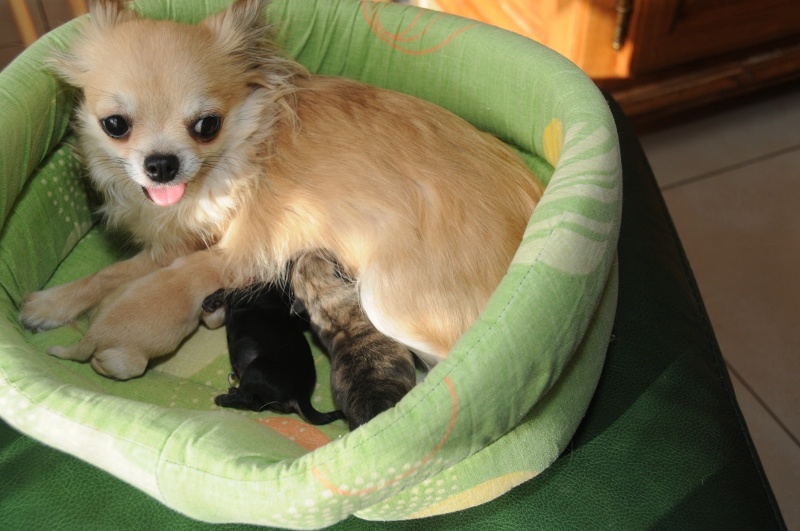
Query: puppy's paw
[214, 319]
[119, 363]
[237, 400]
[214, 302]
[226, 400]
[51, 308]
[80, 352]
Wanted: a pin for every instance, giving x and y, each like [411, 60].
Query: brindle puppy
[370, 372]
[269, 353]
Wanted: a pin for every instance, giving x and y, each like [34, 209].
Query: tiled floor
[732, 184]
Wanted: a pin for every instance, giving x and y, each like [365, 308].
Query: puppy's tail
[315, 417]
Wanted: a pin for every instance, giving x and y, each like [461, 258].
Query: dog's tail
[315, 417]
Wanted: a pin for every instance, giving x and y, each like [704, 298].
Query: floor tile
[725, 140]
[780, 455]
[741, 232]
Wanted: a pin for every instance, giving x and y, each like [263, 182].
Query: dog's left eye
[206, 128]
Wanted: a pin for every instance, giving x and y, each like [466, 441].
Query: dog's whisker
[223, 164]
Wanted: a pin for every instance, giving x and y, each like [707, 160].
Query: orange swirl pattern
[405, 39]
[296, 431]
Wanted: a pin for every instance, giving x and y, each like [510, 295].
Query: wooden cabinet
[667, 33]
[659, 57]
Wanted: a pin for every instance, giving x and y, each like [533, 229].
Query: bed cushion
[496, 413]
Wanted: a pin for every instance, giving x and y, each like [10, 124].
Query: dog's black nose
[161, 168]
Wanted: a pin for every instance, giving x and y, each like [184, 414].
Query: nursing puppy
[370, 372]
[269, 353]
[204, 138]
[119, 342]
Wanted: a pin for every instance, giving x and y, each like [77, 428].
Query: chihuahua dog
[204, 139]
[270, 356]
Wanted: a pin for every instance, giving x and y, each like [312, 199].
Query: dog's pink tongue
[166, 195]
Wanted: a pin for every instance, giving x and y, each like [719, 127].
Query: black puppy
[269, 353]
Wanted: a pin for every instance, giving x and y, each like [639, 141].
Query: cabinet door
[582, 30]
[666, 33]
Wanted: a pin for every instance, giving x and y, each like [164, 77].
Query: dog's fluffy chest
[198, 221]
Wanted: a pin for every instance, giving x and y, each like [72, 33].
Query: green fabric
[497, 412]
[640, 459]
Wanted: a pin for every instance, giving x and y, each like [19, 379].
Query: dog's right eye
[116, 126]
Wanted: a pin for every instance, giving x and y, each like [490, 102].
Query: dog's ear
[66, 66]
[242, 33]
[108, 13]
[105, 14]
[240, 27]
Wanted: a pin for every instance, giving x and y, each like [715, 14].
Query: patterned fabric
[496, 413]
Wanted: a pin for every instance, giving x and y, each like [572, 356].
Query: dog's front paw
[47, 309]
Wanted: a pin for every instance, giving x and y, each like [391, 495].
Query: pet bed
[494, 414]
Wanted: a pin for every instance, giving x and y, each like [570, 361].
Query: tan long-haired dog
[207, 144]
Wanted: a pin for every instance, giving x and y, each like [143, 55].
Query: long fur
[422, 209]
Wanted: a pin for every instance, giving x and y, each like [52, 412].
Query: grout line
[736, 166]
[763, 404]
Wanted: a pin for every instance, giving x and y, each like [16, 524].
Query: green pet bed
[495, 413]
